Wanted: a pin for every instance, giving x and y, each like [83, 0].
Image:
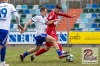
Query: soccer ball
[70, 58]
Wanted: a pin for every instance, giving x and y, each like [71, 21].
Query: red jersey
[51, 28]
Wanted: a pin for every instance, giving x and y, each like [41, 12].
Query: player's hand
[73, 16]
[20, 27]
[22, 31]
[57, 22]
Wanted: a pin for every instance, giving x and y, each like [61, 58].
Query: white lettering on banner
[28, 38]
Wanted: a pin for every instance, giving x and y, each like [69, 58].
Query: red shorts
[49, 44]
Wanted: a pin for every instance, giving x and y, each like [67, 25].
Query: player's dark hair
[58, 6]
[43, 8]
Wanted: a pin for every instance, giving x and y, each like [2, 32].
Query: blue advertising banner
[28, 38]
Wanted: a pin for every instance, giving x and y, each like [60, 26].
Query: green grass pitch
[49, 58]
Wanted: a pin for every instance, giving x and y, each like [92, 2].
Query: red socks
[60, 47]
[42, 50]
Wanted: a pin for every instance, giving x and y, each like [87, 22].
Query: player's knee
[1, 47]
[6, 44]
[47, 49]
[36, 49]
[53, 40]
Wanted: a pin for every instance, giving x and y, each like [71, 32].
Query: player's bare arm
[18, 23]
[66, 15]
[25, 27]
[17, 20]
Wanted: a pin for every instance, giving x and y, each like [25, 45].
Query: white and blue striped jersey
[6, 11]
[40, 22]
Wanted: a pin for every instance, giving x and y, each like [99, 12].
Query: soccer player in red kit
[51, 30]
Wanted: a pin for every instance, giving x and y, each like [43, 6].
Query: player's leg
[44, 49]
[3, 40]
[39, 41]
[56, 37]
[49, 40]
[31, 50]
[60, 47]
[1, 47]
[22, 56]
[41, 51]
[48, 46]
[3, 54]
[54, 42]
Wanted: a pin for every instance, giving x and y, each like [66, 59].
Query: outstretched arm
[65, 15]
[14, 12]
[27, 23]
[25, 27]
[18, 21]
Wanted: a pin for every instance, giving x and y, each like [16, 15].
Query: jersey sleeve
[13, 9]
[14, 12]
[50, 16]
[65, 15]
[35, 19]
[46, 20]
